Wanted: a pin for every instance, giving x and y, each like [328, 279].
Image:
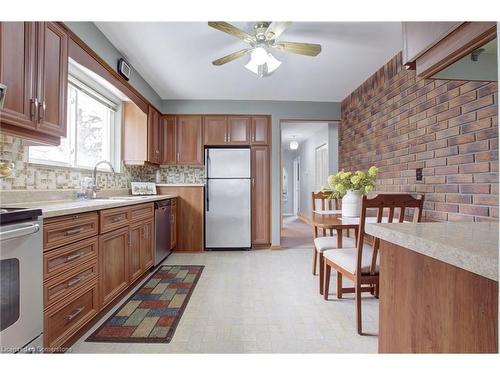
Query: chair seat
[346, 258]
[325, 243]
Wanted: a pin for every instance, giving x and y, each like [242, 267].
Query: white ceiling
[175, 59]
[300, 130]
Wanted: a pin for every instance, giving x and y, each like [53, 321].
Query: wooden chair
[360, 264]
[322, 243]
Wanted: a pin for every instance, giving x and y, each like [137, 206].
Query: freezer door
[227, 214]
[227, 162]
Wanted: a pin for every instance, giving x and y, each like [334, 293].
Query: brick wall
[400, 122]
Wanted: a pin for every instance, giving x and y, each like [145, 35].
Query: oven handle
[19, 232]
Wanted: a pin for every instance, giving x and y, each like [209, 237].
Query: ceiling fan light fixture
[272, 63]
[259, 55]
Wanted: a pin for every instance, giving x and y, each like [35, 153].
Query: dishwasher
[163, 230]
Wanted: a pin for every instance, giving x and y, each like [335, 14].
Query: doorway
[308, 156]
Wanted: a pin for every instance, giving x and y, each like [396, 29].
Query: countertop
[69, 207]
[180, 185]
[470, 246]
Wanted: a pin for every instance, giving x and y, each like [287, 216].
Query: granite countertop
[55, 208]
[181, 185]
[470, 246]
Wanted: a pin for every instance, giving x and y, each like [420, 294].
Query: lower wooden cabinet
[134, 252]
[173, 224]
[146, 245]
[261, 197]
[113, 262]
[63, 320]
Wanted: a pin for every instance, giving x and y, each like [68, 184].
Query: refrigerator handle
[207, 200]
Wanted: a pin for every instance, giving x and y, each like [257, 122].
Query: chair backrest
[326, 204]
[381, 202]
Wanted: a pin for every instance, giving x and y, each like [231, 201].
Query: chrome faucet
[96, 188]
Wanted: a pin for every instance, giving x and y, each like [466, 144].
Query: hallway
[296, 233]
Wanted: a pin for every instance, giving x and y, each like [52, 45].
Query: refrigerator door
[227, 214]
[227, 162]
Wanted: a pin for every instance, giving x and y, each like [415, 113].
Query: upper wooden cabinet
[238, 130]
[154, 136]
[34, 67]
[189, 140]
[167, 132]
[261, 130]
[215, 130]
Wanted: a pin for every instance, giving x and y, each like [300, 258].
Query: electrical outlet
[418, 174]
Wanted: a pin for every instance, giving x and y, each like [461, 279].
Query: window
[92, 132]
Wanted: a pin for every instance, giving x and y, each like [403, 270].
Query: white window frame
[94, 90]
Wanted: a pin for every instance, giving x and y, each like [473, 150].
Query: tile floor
[260, 301]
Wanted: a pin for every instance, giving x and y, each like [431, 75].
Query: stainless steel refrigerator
[227, 198]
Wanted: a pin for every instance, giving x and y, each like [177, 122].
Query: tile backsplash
[180, 174]
[29, 176]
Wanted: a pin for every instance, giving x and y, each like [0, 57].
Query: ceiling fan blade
[231, 30]
[308, 49]
[275, 29]
[231, 57]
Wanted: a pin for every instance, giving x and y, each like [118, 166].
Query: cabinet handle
[69, 258]
[41, 111]
[75, 280]
[178, 156]
[75, 313]
[33, 108]
[73, 231]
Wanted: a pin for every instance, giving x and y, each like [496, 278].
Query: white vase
[351, 203]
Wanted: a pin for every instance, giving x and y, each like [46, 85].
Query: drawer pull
[74, 314]
[73, 231]
[117, 219]
[75, 280]
[71, 257]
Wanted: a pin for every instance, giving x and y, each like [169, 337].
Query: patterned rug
[152, 313]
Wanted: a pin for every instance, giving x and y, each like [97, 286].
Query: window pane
[92, 131]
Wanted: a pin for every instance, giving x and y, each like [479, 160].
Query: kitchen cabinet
[134, 251]
[189, 216]
[261, 130]
[113, 264]
[34, 67]
[189, 140]
[168, 149]
[261, 192]
[238, 130]
[146, 245]
[215, 130]
[154, 138]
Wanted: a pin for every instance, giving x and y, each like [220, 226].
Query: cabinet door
[134, 252]
[215, 130]
[147, 241]
[52, 84]
[17, 72]
[189, 140]
[261, 202]
[238, 130]
[173, 224]
[153, 136]
[261, 130]
[168, 150]
[113, 264]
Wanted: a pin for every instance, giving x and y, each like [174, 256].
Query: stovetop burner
[15, 214]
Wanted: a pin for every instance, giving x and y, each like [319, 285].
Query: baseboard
[276, 247]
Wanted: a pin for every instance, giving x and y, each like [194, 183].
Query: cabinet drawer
[68, 229]
[60, 287]
[64, 319]
[141, 211]
[61, 260]
[114, 218]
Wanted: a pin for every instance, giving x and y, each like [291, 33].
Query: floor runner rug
[152, 313]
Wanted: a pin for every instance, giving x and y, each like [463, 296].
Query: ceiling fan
[261, 40]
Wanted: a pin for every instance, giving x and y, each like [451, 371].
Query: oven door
[21, 316]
